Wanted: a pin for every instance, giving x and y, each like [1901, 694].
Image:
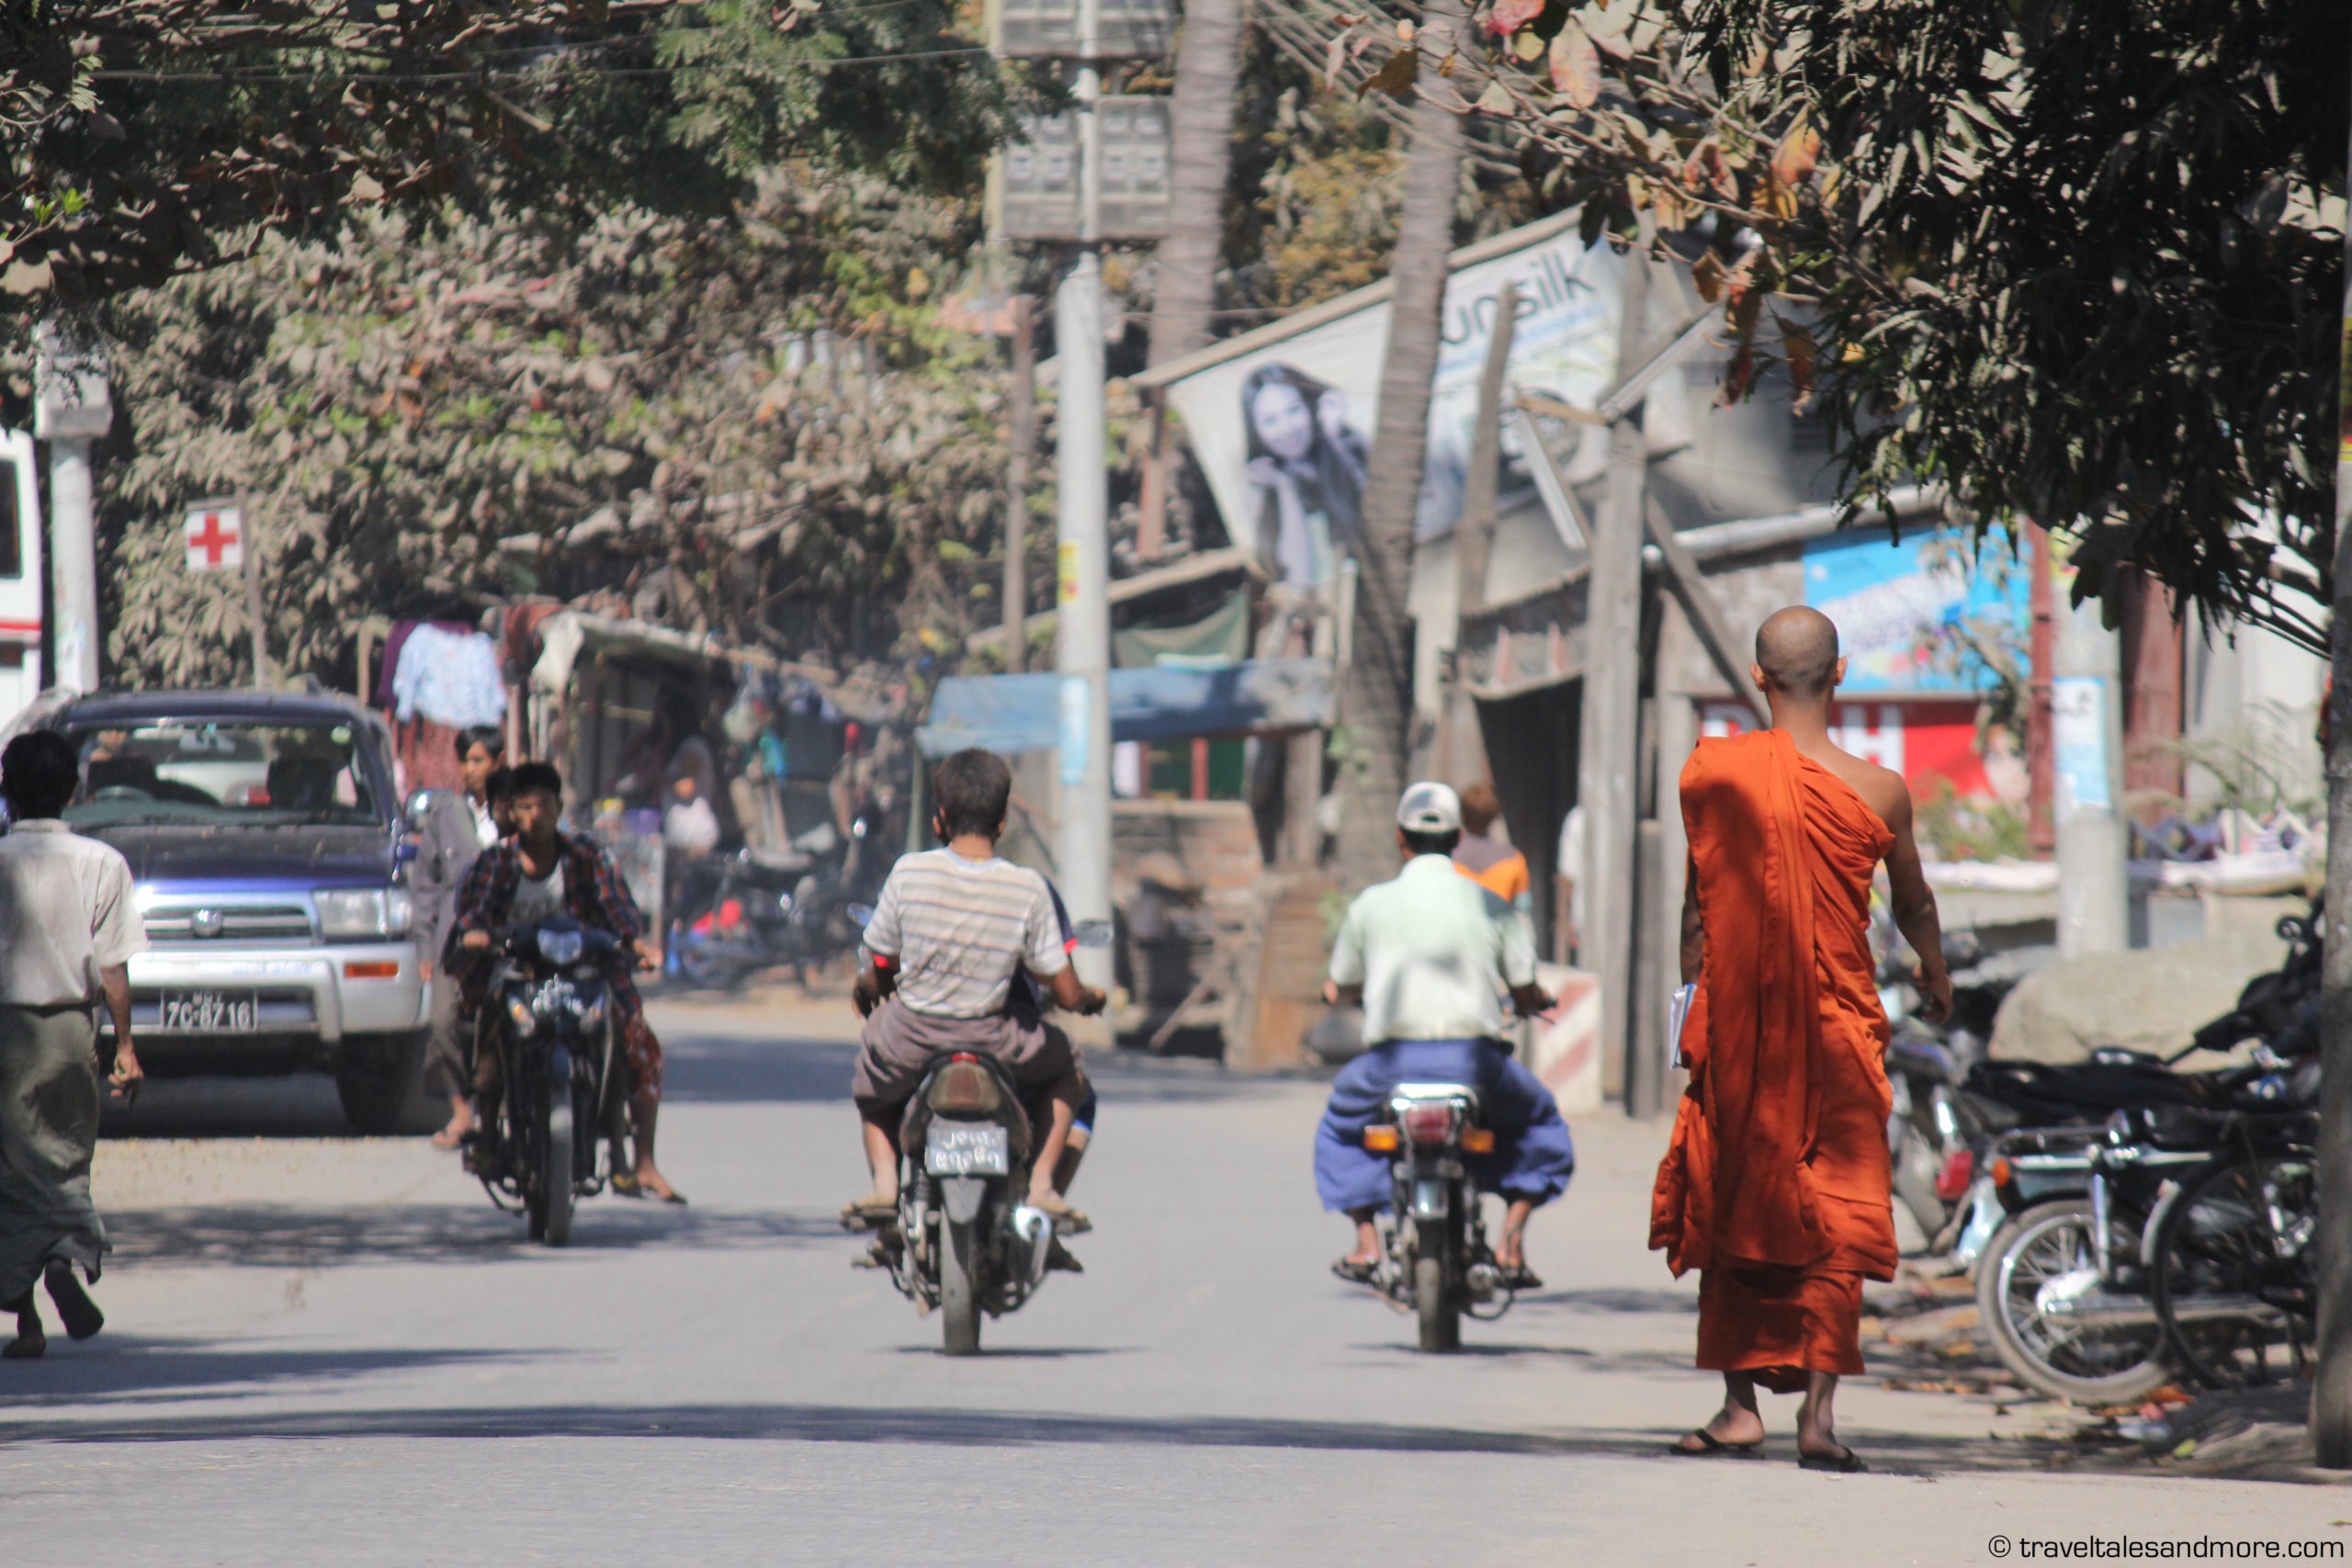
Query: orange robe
[1776, 1184]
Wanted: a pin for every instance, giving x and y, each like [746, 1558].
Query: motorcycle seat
[788, 862]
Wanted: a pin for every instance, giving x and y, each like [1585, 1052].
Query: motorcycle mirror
[413, 813]
[859, 914]
[1093, 933]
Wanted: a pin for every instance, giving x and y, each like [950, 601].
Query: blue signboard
[1915, 614]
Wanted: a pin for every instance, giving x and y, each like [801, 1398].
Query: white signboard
[1282, 433]
[216, 536]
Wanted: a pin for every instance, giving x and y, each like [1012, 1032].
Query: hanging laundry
[450, 677]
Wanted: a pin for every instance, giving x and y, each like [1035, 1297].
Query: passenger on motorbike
[1430, 955]
[951, 935]
[543, 874]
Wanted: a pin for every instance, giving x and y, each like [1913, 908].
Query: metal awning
[1022, 713]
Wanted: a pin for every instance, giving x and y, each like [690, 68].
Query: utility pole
[1609, 724]
[1082, 537]
[1023, 418]
[72, 409]
[2086, 731]
[2332, 1392]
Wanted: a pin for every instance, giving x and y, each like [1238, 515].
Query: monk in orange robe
[1776, 1186]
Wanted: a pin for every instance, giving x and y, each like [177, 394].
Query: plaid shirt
[592, 891]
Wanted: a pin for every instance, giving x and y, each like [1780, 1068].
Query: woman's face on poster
[1284, 423]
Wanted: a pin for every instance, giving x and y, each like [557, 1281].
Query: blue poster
[1074, 716]
[1921, 613]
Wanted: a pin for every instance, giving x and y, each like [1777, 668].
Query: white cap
[1429, 808]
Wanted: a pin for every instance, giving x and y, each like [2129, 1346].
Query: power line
[231, 74]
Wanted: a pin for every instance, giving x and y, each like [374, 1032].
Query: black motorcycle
[1436, 1263]
[756, 908]
[547, 1017]
[964, 1241]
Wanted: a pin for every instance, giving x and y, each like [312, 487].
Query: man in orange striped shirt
[1490, 863]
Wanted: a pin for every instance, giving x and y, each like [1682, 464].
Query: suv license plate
[210, 1013]
[965, 1151]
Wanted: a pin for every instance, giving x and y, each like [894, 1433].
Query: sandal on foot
[1356, 1270]
[25, 1347]
[74, 1308]
[1518, 1277]
[868, 1212]
[1844, 1462]
[1066, 1220]
[624, 1185]
[1712, 1447]
[1060, 1258]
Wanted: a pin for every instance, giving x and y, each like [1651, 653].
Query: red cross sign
[216, 538]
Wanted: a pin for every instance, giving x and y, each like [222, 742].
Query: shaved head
[1797, 651]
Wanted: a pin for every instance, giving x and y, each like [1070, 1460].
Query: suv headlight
[363, 914]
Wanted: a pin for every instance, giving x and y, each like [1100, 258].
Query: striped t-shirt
[959, 930]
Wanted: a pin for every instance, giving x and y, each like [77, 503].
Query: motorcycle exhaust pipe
[1035, 1229]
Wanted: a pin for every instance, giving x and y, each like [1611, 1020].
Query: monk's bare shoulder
[1882, 789]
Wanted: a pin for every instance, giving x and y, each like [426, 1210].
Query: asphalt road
[333, 1350]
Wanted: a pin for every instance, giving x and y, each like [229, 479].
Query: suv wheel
[374, 1075]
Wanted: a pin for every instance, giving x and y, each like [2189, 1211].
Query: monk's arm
[1694, 934]
[1915, 911]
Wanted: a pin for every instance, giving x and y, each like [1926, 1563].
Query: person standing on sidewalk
[1776, 1185]
[452, 830]
[69, 924]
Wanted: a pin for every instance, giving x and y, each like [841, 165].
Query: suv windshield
[222, 771]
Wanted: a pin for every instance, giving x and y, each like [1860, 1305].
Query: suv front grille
[252, 922]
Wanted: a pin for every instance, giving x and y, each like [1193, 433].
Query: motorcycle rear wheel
[959, 1291]
[557, 1154]
[2219, 1242]
[2089, 1366]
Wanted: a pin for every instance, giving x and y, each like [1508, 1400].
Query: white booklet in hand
[1676, 1012]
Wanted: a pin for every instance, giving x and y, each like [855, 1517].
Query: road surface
[324, 1349]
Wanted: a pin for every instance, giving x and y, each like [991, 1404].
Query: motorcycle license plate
[210, 1013]
[965, 1151]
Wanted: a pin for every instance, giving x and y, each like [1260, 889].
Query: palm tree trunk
[1376, 693]
[1208, 65]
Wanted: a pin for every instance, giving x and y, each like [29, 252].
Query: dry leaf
[1576, 67]
[1335, 53]
[1796, 343]
[1494, 100]
[1799, 151]
[1707, 277]
[1396, 76]
[1527, 46]
[1507, 16]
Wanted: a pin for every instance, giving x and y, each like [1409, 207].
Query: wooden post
[1461, 751]
[1646, 1069]
[1151, 517]
[1023, 410]
[2041, 824]
[1608, 739]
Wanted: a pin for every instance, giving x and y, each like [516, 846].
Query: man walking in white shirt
[69, 924]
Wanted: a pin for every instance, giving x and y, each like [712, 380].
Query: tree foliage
[2081, 259]
[743, 416]
[152, 137]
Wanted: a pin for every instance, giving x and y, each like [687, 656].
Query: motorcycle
[1435, 1259]
[2072, 1286]
[755, 908]
[548, 1019]
[962, 1242]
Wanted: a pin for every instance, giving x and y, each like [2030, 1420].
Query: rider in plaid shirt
[539, 863]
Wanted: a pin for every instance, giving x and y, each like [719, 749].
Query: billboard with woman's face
[1305, 470]
[1281, 427]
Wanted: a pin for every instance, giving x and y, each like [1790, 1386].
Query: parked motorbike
[963, 1242]
[1936, 1134]
[2069, 1285]
[756, 908]
[549, 1019]
[2233, 1256]
[1436, 1262]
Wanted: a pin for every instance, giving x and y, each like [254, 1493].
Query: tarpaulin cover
[1022, 713]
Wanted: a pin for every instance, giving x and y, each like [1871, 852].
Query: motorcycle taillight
[1429, 1123]
[1953, 1182]
[963, 1088]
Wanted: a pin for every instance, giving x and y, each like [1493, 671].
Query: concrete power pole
[2086, 732]
[1023, 420]
[1083, 540]
[2332, 1393]
[72, 409]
